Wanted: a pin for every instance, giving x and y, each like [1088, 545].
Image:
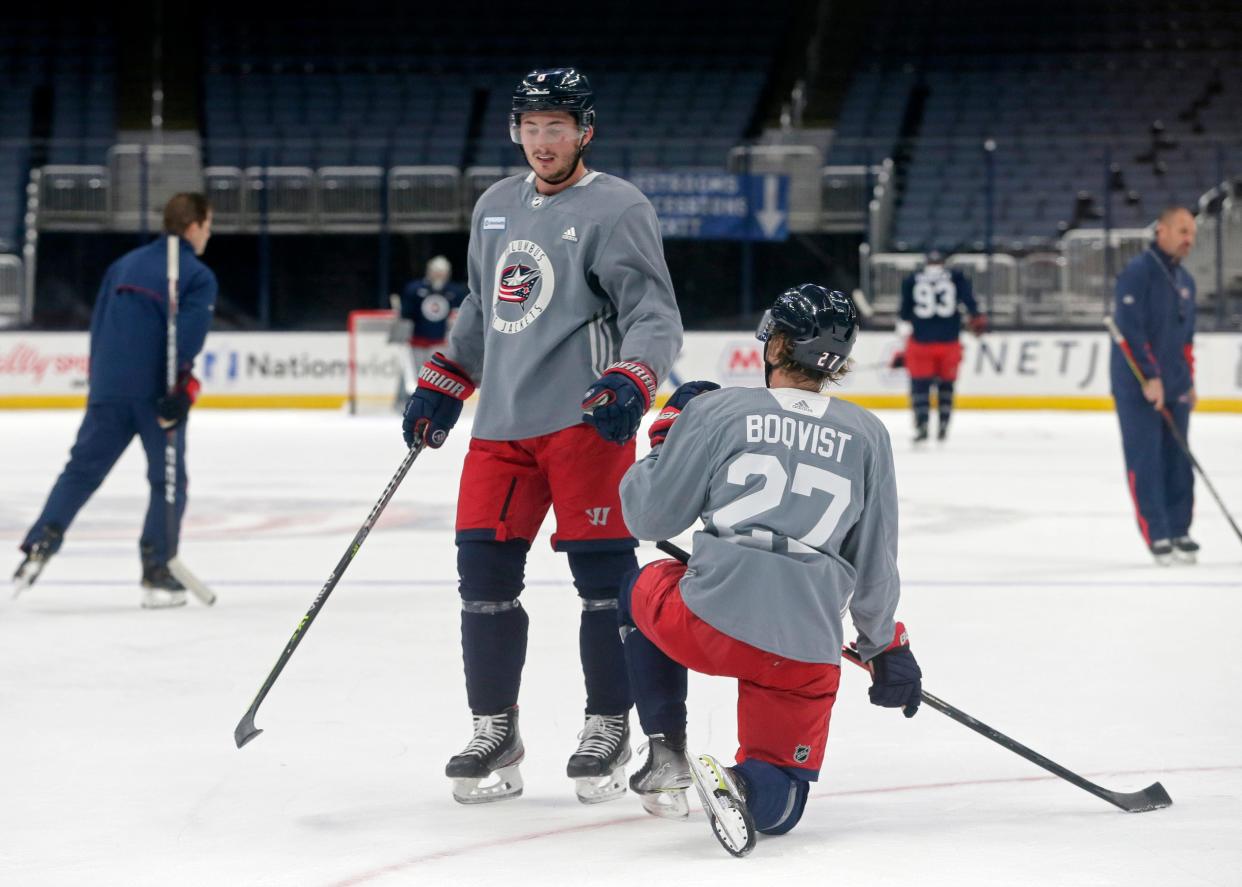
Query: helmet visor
[766, 326]
[532, 133]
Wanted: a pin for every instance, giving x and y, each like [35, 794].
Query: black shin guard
[597, 576]
[493, 623]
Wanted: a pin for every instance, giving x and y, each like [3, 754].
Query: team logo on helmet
[516, 283]
[525, 282]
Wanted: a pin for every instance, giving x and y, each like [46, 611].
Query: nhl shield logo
[802, 754]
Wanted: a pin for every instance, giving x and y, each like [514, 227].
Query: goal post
[379, 357]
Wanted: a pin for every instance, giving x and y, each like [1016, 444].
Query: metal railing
[425, 197]
[351, 195]
[12, 306]
[143, 176]
[284, 196]
[845, 197]
[74, 196]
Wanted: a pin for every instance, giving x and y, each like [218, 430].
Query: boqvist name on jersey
[525, 284]
[810, 437]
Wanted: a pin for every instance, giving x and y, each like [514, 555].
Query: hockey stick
[1124, 347]
[246, 730]
[179, 571]
[1151, 798]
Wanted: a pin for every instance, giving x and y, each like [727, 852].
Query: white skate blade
[597, 789]
[507, 784]
[671, 804]
[1185, 557]
[162, 599]
[195, 585]
[731, 821]
[26, 576]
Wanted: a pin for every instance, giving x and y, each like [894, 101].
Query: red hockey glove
[978, 324]
[173, 408]
[897, 361]
[686, 392]
[435, 405]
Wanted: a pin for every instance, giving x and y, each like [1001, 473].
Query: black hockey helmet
[822, 325]
[552, 89]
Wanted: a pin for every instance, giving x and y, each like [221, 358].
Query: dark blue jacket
[429, 308]
[930, 301]
[1154, 307]
[129, 327]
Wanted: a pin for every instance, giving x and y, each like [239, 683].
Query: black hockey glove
[685, 393]
[173, 408]
[434, 406]
[615, 404]
[896, 679]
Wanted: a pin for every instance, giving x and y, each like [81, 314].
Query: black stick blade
[1154, 797]
[246, 730]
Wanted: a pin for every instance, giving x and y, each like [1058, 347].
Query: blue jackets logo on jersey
[525, 282]
[516, 283]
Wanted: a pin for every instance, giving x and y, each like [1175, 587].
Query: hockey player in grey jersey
[568, 293]
[798, 500]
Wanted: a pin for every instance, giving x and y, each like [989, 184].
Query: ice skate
[920, 432]
[36, 559]
[724, 804]
[662, 781]
[942, 431]
[160, 588]
[494, 750]
[1185, 550]
[1162, 552]
[598, 766]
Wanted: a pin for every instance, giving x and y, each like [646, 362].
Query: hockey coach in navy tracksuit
[1154, 307]
[129, 394]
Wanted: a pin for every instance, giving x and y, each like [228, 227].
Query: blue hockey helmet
[552, 89]
[821, 324]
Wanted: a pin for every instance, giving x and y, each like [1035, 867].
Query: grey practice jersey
[560, 288]
[799, 503]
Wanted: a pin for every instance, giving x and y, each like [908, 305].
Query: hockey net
[378, 358]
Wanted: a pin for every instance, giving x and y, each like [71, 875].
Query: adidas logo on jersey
[800, 405]
[570, 234]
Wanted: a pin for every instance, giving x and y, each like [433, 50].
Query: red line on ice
[373, 874]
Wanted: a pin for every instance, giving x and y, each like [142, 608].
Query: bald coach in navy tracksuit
[1154, 307]
[128, 387]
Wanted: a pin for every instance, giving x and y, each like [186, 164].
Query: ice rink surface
[1029, 596]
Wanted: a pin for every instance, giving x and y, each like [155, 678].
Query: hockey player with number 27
[568, 293]
[798, 500]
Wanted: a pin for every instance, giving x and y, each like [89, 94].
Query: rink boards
[1003, 370]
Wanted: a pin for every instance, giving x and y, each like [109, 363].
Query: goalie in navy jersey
[798, 500]
[430, 305]
[569, 325]
[932, 300]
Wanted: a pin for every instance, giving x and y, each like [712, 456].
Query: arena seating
[69, 63]
[1085, 102]
[432, 87]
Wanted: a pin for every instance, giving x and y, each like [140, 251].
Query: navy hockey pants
[1158, 474]
[106, 431]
